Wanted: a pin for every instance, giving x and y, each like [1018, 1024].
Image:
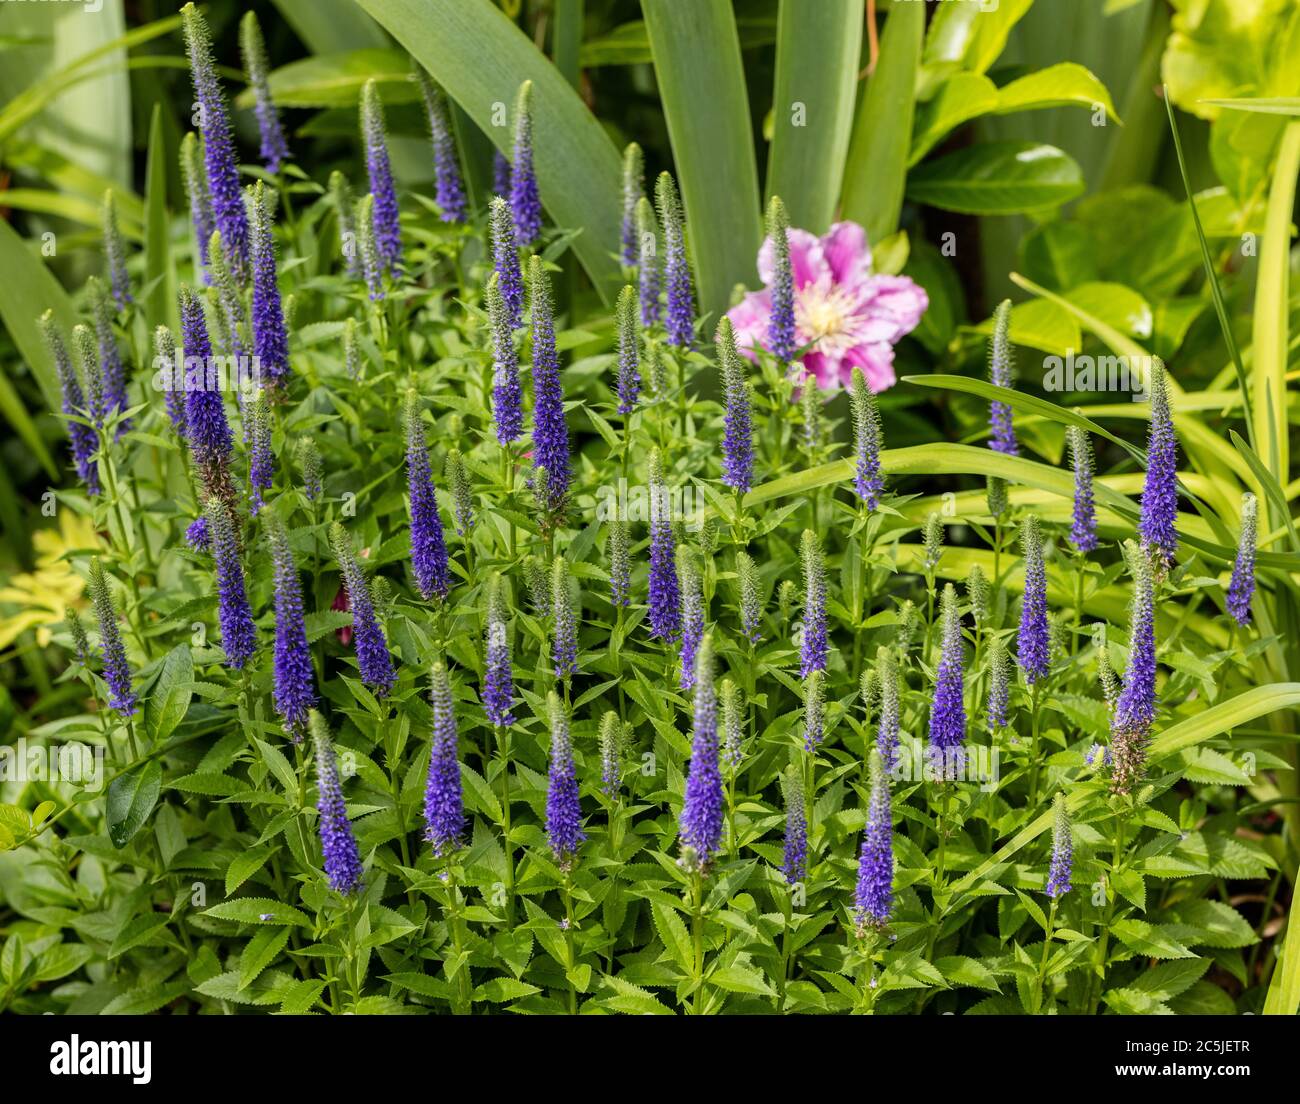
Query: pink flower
[848, 316]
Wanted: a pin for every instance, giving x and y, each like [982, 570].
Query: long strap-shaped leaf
[473, 50]
[818, 48]
[702, 88]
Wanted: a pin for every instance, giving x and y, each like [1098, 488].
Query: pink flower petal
[896, 298]
[749, 320]
[848, 256]
[876, 361]
[824, 368]
[807, 262]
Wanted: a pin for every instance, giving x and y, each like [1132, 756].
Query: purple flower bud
[948, 710]
[274, 151]
[1157, 524]
[218, 150]
[564, 609]
[449, 191]
[498, 677]
[270, 338]
[338, 844]
[81, 437]
[110, 357]
[692, 592]
[999, 684]
[294, 691]
[677, 270]
[563, 808]
[873, 901]
[444, 812]
[620, 563]
[198, 536]
[868, 480]
[525, 201]
[550, 430]
[737, 420]
[507, 401]
[117, 672]
[1242, 586]
[173, 373]
[633, 190]
[196, 189]
[261, 460]
[1058, 874]
[238, 633]
[385, 221]
[703, 803]
[814, 710]
[813, 647]
[780, 323]
[1002, 373]
[1135, 711]
[629, 382]
[647, 262]
[1033, 645]
[1083, 529]
[794, 859]
[888, 725]
[115, 254]
[205, 414]
[611, 754]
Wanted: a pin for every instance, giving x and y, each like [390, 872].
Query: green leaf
[1148, 940]
[244, 865]
[171, 695]
[1210, 924]
[328, 26]
[876, 173]
[259, 952]
[997, 178]
[473, 50]
[962, 97]
[741, 979]
[259, 910]
[697, 63]
[502, 990]
[1283, 997]
[675, 937]
[131, 798]
[1062, 85]
[1166, 980]
[159, 272]
[817, 56]
[26, 292]
[336, 80]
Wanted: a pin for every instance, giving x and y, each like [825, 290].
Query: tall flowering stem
[1158, 522]
[692, 590]
[1241, 588]
[212, 445]
[680, 318]
[947, 708]
[172, 370]
[117, 672]
[498, 677]
[1135, 711]
[701, 821]
[373, 660]
[887, 727]
[563, 810]
[633, 191]
[115, 253]
[428, 546]
[794, 859]
[110, 356]
[294, 691]
[1002, 373]
[449, 188]
[564, 610]
[238, 633]
[780, 323]
[620, 563]
[221, 168]
[647, 262]
[270, 335]
[814, 647]
[196, 190]
[737, 420]
[1033, 639]
[629, 339]
[868, 479]
[261, 460]
[384, 212]
[505, 261]
[1083, 526]
[665, 598]
[338, 843]
[80, 436]
[873, 899]
[550, 429]
[525, 200]
[274, 149]
[444, 812]
[507, 397]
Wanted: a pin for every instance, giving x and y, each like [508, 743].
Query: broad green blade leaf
[997, 178]
[131, 798]
[1109, 335]
[480, 57]
[331, 26]
[567, 38]
[336, 80]
[1268, 105]
[706, 107]
[876, 173]
[962, 97]
[1063, 85]
[26, 292]
[1283, 998]
[159, 272]
[817, 56]
[1272, 286]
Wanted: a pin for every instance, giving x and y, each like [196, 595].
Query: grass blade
[159, 273]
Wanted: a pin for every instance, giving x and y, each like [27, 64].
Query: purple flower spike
[611, 754]
[238, 633]
[270, 337]
[703, 803]
[563, 809]
[868, 480]
[498, 675]
[1033, 641]
[222, 171]
[444, 811]
[196, 190]
[948, 710]
[1058, 874]
[737, 420]
[665, 599]
[449, 190]
[428, 546]
[507, 397]
[565, 606]
[677, 270]
[999, 684]
[633, 191]
[198, 536]
[373, 660]
[274, 151]
[386, 223]
[794, 859]
[117, 672]
[505, 260]
[338, 844]
[1002, 373]
[873, 901]
[525, 201]
[692, 591]
[620, 563]
[814, 647]
[887, 727]
[1242, 587]
[1083, 528]
[295, 686]
[1157, 524]
[110, 356]
[780, 323]
[171, 371]
[814, 710]
[115, 254]
[751, 597]
[81, 437]
[647, 262]
[629, 382]
[1135, 712]
[261, 460]
[550, 430]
